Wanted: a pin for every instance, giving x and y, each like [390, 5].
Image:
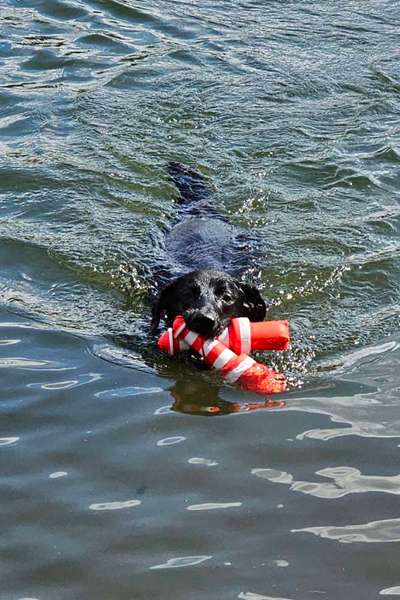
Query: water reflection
[214, 506]
[292, 110]
[182, 561]
[127, 392]
[202, 461]
[346, 480]
[281, 563]
[8, 441]
[200, 398]
[376, 531]
[25, 363]
[171, 441]
[58, 474]
[254, 596]
[392, 591]
[84, 379]
[115, 505]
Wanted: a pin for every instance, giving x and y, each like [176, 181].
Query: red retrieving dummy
[241, 336]
[235, 368]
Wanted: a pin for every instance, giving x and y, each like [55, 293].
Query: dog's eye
[195, 290]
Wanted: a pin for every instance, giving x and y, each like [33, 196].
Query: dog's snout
[200, 322]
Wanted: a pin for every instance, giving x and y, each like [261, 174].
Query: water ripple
[8, 441]
[182, 561]
[208, 462]
[346, 480]
[9, 342]
[58, 474]
[281, 563]
[170, 441]
[392, 591]
[214, 505]
[115, 505]
[254, 596]
[83, 379]
[374, 532]
[273, 475]
[126, 392]
[294, 119]
[25, 363]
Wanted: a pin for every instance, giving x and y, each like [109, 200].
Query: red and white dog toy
[234, 368]
[241, 336]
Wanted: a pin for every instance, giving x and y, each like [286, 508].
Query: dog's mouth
[210, 335]
[206, 326]
[218, 329]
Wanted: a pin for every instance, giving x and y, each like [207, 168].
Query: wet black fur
[207, 297]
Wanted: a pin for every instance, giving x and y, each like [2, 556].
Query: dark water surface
[291, 109]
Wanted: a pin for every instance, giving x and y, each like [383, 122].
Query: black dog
[206, 245]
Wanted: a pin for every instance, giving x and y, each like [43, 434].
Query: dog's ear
[253, 302]
[160, 306]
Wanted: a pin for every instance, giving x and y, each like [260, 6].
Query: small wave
[115, 505]
[346, 480]
[182, 561]
[333, 175]
[367, 533]
[254, 596]
[171, 441]
[208, 462]
[214, 506]
[8, 441]
[389, 153]
[392, 591]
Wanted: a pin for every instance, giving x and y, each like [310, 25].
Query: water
[114, 483]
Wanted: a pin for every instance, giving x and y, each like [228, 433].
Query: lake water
[124, 474]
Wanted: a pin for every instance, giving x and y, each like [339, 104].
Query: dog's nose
[199, 322]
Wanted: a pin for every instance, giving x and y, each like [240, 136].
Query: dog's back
[204, 250]
[201, 237]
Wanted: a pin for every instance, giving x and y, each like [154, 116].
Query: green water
[114, 484]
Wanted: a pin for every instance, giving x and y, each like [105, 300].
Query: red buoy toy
[234, 368]
[241, 336]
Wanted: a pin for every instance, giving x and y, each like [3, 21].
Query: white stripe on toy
[170, 341]
[224, 337]
[225, 356]
[242, 367]
[208, 345]
[190, 337]
[179, 329]
[245, 335]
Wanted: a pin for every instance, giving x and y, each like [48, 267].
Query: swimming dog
[203, 243]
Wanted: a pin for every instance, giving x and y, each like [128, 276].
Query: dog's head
[208, 300]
